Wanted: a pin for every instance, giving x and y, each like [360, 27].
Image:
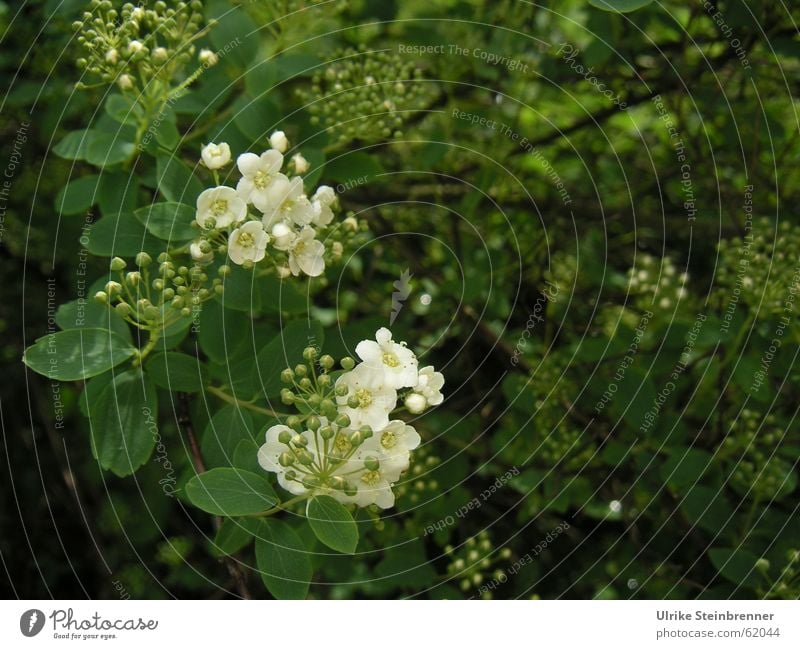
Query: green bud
[352, 401]
[299, 440]
[350, 489]
[101, 297]
[347, 363]
[309, 353]
[372, 463]
[305, 458]
[294, 422]
[287, 375]
[313, 422]
[341, 390]
[143, 259]
[301, 370]
[366, 431]
[123, 309]
[356, 439]
[287, 396]
[326, 432]
[117, 264]
[342, 421]
[314, 400]
[326, 362]
[285, 459]
[305, 383]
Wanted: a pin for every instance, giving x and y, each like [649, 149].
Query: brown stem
[185, 423]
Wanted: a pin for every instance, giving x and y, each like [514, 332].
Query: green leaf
[230, 492]
[77, 196]
[117, 192]
[85, 313]
[685, 467]
[620, 6]
[246, 456]
[106, 149]
[707, 508]
[75, 144]
[77, 353]
[736, 565]
[177, 372]
[282, 560]
[233, 535]
[122, 416]
[169, 221]
[256, 117]
[285, 351]
[223, 433]
[332, 524]
[119, 234]
[175, 180]
[220, 331]
[349, 168]
[123, 109]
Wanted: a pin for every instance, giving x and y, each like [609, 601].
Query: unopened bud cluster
[366, 96]
[472, 563]
[761, 268]
[153, 294]
[758, 457]
[655, 282]
[346, 439]
[134, 45]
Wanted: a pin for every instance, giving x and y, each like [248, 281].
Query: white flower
[283, 236]
[258, 173]
[208, 57]
[323, 214]
[220, 206]
[197, 253]
[371, 398]
[325, 195]
[270, 452]
[301, 165]
[430, 385]
[393, 446]
[306, 254]
[321, 202]
[278, 141]
[248, 243]
[216, 156]
[374, 486]
[395, 360]
[286, 201]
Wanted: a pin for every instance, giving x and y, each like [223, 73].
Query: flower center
[219, 207]
[261, 179]
[371, 478]
[245, 240]
[390, 359]
[388, 439]
[342, 444]
[364, 397]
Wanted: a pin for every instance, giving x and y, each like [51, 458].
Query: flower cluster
[656, 282]
[366, 96]
[157, 294]
[287, 223]
[470, 564]
[755, 270]
[135, 45]
[346, 440]
[759, 457]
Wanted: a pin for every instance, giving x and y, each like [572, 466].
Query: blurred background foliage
[541, 259]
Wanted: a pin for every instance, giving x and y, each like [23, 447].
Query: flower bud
[416, 403]
[208, 57]
[278, 141]
[326, 362]
[287, 396]
[313, 423]
[309, 353]
[160, 55]
[284, 437]
[143, 259]
[118, 264]
[347, 363]
[123, 309]
[285, 459]
[343, 421]
[372, 463]
[216, 156]
[326, 432]
[125, 82]
[101, 297]
[301, 165]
